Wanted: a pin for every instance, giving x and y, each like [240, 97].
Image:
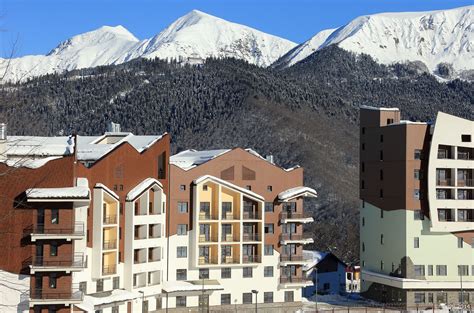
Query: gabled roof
[107, 189]
[91, 148]
[142, 187]
[189, 159]
[313, 258]
[229, 185]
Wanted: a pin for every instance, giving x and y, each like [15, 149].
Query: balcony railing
[110, 219]
[251, 237]
[293, 279]
[229, 260]
[76, 260]
[109, 270]
[109, 244]
[206, 216]
[464, 155]
[252, 215]
[295, 215]
[205, 261]
[51, 230]
[445, 182]
[73, 294]
[465, 182]
[444, 154]
[206, 238]
[294, 257]
[251, 259]
[291, 236]
[227, 216]
[228, 238]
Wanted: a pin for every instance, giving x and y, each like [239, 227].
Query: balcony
[109, 244]
[109, 269]
[41, 231]
[465, 194]
[444, 182]
[465, 215]
[465, 182]
[227, 216]
[252, 215]
[291, 259]
[229, 237]
[206, 238]
[251, 237]
[446, 215]
[445, 152]
[228, 259]
[251, 259]
[69, 263]
[286, 238]
[51, 296]
[444, 194]
[206, 261]
[110, 219]
[465, 153]
[301, 217]
[290, 281]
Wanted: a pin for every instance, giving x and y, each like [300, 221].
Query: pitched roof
[229, 185]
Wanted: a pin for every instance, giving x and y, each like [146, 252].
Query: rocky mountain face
[306, 114]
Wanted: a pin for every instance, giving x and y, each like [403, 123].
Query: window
[381, 174]
[269, 188]
[363, 221]
[460, 242]
[362, 167]
[289, 296]
[419, 270]
[115, 309]
[182, 187]
[381, 239]
[268, 250]
[268, 297]
[381, 213]
[363, 130]
[382, 265]
[203, 273]
[381, 155]
[116, 283]
[268, 271]
[381, 138]
[204, 187]
[53, 249]
[430, 297]
[416, 174]
[363, 247]
[54, 216]
[389, 121]
[417, 155]
[466, 138]
[416, 194]
[181, 274]
[99, 285]
[269, 229]
[52, 281]
[381, 193]
[362, 184]
[419, 297]
[115, 188]
[83, 286]
[441, 270]
[182, 207]
[442, 297]
[182, 252]
[226, 272]
[418, 215]
[225, 298]
[227, 210]
[247, 298]
[121, 187]
[182, 229]
[363, 146]
[247, 272]
[248, 187]
[327, 286]
[268, 206]
[463, 270]
[180, 301]
[416, 242]
[430, 270]
[463, 297]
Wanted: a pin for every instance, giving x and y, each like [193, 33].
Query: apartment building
[417, 208]
[235, 230]
[83, 222]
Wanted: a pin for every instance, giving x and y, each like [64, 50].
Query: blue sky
[40, 25]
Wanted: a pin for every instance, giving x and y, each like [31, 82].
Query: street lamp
[256, 293]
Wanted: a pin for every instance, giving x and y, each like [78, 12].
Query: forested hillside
[306, 114]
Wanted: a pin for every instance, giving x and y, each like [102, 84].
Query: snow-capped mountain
[430, 37]
[197, 35]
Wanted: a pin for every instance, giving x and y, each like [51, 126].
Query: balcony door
[204, 253]
[226, 230]
[38, 286]
[289, 228]
[40, 220]
[205, 209]
[289, 271]
[205, 230]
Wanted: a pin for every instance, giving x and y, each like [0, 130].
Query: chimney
[113, 127]
[269, 158]
[3, 140]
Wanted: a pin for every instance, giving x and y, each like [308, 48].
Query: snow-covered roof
[189, 159]
[62, 193]
[107, 189]
[34, 152]
[141, 187]
[296, 192]
[182, 286]
[367, 107]
[406, 122]
[312, 258]
[93, 148]
[228, 185]
[115, 296]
